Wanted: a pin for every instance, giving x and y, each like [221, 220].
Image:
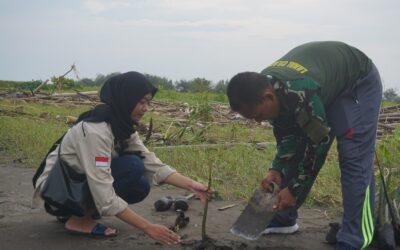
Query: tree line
[194, 85]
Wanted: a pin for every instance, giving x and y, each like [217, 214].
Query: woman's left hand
[201, 190]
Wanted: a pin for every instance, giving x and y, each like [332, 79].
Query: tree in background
[201, 85]
[195, 85]
[101, 79]
[162, 82]
[391, 95]
[86, 82]
[64, 83]
[221, 86]
[182, 85]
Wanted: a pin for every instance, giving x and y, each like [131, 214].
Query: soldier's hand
[285, 200]
[272, 176]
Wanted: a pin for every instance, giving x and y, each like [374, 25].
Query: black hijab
[119, 95]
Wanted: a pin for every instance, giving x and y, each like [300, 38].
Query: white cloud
[94, 6]
[99, 6]
[196, 5]
[239, 5]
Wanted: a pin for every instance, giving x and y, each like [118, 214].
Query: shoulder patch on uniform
[102, 162]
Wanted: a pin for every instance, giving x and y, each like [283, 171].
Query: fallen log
[39, 87]
[387, 126]
[259, 145]
[389, 119]
[87, 93]
[229, 206]
[390, 108]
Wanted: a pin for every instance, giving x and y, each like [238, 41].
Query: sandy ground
[22, 227]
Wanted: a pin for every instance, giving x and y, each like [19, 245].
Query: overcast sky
[184, 39]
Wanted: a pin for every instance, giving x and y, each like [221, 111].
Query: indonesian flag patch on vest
[102, 162]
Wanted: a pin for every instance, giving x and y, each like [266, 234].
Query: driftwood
[39, 87]
[229, 206]
[73, 68]
[259, 145]
[77, 94]
[58, 86]
[19, 112]
[389, 118]
[390, 109]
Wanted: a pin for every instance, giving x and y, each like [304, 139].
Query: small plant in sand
[203, 224]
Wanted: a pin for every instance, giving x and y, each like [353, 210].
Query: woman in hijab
[104, 146]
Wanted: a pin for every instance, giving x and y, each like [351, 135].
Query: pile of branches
[389, 120]
[179, 112]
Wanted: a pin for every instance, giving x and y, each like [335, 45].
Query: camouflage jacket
[301, 132]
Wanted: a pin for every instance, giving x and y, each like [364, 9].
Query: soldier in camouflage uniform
[317, 92]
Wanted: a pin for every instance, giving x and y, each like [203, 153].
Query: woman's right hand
[162, 233]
